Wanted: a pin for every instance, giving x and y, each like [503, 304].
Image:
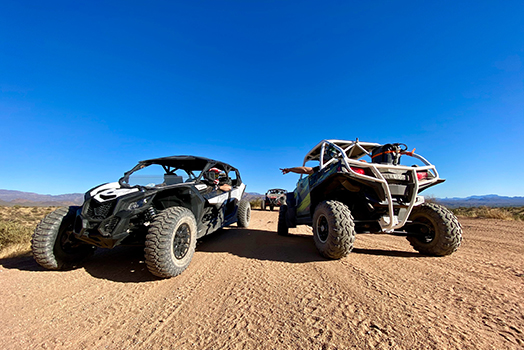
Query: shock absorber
[150, 213]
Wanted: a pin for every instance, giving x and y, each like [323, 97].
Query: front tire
[171, 242]
[441, 233]
[54, 245]
[244, 213]
[333, 229]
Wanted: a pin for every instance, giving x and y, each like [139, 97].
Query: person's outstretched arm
[298, 170]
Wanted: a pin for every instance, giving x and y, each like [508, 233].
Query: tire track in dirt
[172, 304]
[250, 288]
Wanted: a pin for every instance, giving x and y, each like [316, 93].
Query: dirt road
[252, 289]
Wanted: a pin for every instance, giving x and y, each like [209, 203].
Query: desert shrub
[430, 199]
[496, 213]
[491, 213]
[17, 224]
[13, 233]
[519, 214]
[256, 203]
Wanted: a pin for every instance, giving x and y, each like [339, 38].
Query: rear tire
[282, 228]
[442, 233]
[54, 244]
[244, 213]
[333, 229]
[171, 242]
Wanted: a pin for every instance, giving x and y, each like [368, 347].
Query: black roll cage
[186, 163]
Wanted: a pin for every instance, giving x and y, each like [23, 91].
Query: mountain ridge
[13, 197]
[31, 199]
[489, 200]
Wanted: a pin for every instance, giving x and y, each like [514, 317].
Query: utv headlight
[139, 203]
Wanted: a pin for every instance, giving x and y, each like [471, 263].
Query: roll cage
[195, 167]
[276, 191]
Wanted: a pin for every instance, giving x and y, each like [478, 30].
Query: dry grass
[17, 224]
[506, 213]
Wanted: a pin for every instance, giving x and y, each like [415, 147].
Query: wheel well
[181, 197]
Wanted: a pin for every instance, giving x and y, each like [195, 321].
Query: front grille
[109, 226]
[100, 211]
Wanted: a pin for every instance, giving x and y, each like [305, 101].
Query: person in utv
[215, 175]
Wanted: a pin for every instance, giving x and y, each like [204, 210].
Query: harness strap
[409, 153]
[385, 152]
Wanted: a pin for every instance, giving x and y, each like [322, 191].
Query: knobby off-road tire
[271, 207]
[263, 205]
[171, 242]
[243, 213]
[282, 228]
[54, 245]
[442, 234]
[333, 229]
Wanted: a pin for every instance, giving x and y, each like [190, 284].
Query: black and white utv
[164, 203]
[346, 195]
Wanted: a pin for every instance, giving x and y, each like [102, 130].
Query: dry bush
[13, 233]
[508, 213]
[256, 203]
[17, 224]
[496, 213]
[430, 199]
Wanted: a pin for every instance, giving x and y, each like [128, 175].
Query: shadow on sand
[127, 265]
[382, 252]
[122, 264]
[261, 245]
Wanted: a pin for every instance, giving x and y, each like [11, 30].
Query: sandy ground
[252, 289]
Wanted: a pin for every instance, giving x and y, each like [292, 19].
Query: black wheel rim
[427, 231]
[322, 228]
[182, 241]
[68, 243]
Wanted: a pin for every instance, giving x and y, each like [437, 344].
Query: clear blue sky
[88, 88]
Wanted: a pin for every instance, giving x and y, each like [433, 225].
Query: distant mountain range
[490, 200]
[250, 196]
[10, 198]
